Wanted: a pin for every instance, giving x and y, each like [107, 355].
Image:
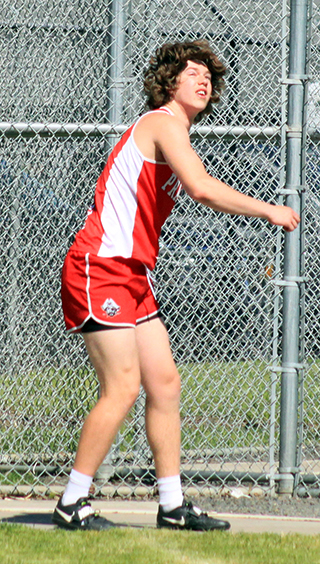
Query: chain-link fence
[71, 82]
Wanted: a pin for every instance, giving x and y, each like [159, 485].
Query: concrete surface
[37, 513]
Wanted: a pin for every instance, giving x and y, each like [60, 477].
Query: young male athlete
[106, 289]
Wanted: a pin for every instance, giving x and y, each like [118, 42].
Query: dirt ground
[293, 507]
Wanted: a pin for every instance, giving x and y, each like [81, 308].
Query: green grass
[39, 408]
[224, 405]
[13, 477]
[226, 402]
[21, 545]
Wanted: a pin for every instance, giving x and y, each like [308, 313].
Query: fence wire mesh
[309, 431]
[71, 82]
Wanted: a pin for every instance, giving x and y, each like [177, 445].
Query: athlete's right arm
[171, 138]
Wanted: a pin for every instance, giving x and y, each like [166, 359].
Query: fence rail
[77, 129]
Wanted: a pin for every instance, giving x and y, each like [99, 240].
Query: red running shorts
[115, 292]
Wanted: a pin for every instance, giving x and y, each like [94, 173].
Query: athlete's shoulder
[159, 122]
[157, 116]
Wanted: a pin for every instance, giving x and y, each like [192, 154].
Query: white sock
[77, 487]
[170, 492]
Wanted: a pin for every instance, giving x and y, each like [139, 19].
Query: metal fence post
[116, 62]
[114, 114]
[292, 252]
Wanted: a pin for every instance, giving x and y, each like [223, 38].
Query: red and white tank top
[133, 198]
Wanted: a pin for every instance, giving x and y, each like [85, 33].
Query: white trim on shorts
[91, 316]
[150, 316]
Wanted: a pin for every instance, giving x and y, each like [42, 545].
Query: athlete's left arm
[173, 141]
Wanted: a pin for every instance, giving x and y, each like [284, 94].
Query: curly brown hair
[160, 79]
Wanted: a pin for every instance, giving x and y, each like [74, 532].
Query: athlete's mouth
[202, 93]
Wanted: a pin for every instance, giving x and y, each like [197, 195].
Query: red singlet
[133, 198]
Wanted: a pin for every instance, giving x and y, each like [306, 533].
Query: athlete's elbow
[203, 196]
[209, 192]
[198, 193]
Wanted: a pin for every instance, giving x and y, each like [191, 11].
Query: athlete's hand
[284, 216]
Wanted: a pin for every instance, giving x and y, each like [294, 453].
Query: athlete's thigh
[114, 355]
[156, 361]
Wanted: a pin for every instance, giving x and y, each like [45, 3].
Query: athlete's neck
[181, 113]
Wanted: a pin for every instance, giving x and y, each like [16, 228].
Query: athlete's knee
[129, 394]
[166, 388]
[122, 391]
[172, 382]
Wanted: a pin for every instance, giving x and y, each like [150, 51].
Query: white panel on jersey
[120, 203]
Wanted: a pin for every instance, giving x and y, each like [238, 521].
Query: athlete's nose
[204, 80]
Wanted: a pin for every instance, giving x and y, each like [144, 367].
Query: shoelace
[196, 510]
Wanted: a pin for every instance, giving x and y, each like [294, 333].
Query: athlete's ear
[173, 87]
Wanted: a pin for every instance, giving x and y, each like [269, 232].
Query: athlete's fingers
[293, 224]
[284, 216]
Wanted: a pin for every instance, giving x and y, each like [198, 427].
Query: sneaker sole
[74, 527]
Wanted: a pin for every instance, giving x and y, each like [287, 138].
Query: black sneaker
[189, 517]
[80, 515]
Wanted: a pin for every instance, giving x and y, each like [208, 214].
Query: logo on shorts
[110, 307]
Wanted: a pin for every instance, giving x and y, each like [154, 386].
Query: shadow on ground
[44, 519]
[30, 519]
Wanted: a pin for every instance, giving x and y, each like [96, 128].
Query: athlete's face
[194, 87]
